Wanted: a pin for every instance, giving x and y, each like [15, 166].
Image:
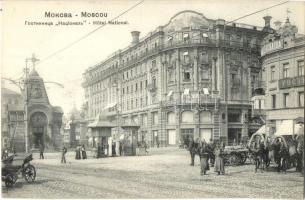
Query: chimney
[267, 21]
[135, 37]
[277, 25]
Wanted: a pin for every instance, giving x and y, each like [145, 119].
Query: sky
[19, 40]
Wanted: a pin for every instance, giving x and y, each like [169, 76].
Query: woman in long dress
[219, 162]
[83, 150]
[77, 153]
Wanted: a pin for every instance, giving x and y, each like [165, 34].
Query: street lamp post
[26, 106]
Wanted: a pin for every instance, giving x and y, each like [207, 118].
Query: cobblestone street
[165, 173]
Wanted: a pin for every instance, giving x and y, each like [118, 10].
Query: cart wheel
[243, 158]
[10, 180]
[30, 173]
[233, 159]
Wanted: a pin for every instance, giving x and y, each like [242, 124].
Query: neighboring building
[190, 77]
[12, 118]
[283, 71]
[75, 130]
[66, 135]
[44, 120]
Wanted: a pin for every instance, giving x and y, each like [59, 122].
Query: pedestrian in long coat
[219, 161]
[77, 153]
[84, 154]
[204, 157]
[41, 151]
[63, 155]
[192, 150]
[121, 148]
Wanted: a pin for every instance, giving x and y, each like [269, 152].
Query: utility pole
[26, 120]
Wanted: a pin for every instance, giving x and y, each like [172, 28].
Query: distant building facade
[283, 73]
[75, 130]
[189, 78]
[12, 119]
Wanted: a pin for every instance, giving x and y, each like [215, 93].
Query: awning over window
[169, 38]
[185, 35]
[111, 105]
[205, 35]
[170, 93]
[286, 128]
[101, 121]
[186, 53]
[205, 91]
[186, 91]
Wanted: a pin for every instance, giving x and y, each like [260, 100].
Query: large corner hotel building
[193, 76]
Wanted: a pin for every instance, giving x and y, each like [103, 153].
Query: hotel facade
[192, 77]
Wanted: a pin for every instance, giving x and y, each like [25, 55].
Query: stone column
[178, 126]
[221, 74]
[197, 123]
[195, 70]
[178, 76]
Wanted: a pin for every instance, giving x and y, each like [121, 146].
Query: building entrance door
[38, 126]
[206, 134]
[234, 136]
[171, 137]
[38, 136]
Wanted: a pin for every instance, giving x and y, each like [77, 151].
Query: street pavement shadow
[20, 184]
[7, 189]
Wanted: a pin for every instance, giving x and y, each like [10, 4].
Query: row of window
[286, 100]
[134, 103]
[286, 70]
[186, 117]
[135, 88]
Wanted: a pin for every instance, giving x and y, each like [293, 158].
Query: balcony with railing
[259, 85]
[291, 82]
[195, 99]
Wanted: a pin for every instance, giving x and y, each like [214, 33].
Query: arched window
[187, 117]
[171, 119]
[205, 117]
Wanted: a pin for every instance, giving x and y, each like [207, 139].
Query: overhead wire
[88, 34]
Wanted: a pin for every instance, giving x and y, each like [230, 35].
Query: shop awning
[169, 38]
[186, 53]
[111, 105]
[101, 122]
[299, 120]
[286, 128]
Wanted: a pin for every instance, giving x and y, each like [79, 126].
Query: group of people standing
[80, 152]
[284, 154]
[209, 153]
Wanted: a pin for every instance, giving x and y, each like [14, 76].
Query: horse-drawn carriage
[15, 165]
[284, 148]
